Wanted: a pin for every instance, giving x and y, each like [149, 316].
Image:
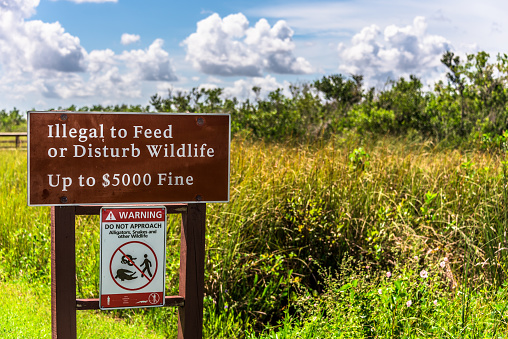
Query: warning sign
[111, 216]
[133, 256]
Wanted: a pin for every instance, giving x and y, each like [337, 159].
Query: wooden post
[63, 272]
[192, 272]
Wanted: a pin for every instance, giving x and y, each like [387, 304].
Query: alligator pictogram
[124, 274]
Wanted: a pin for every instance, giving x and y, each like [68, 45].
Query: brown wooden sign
[127, 158]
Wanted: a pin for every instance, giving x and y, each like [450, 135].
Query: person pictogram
[147, 263]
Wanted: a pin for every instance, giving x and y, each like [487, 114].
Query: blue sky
[54, 53]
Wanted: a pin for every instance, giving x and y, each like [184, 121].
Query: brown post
[192, 272]
[63, 272]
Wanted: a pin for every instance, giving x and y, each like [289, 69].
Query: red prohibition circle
[149, 281]
[154, 298]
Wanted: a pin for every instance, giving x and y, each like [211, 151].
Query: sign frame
[123, 297]
[163, 199]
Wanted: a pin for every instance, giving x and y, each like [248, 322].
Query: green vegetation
[308, 208]
[25, 312]
[366, 215]
[468, 109]
[316, 228]
[12, 121]
[403, 304]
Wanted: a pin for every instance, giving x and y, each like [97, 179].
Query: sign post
[104, 164]
[63, 272]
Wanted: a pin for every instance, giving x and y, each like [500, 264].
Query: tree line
[469, 106]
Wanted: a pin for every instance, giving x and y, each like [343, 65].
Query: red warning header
[133, 214]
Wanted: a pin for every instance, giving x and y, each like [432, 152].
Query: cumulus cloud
[22, 8]
[113, 76]
[397, 51]
[40, 58]
[48, 46]
[243, 88]
[152, 64]
[129, 38]
[28, 46]
[229, 47]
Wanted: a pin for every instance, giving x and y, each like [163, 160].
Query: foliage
[25, 313]
[12, 121]
[297, 211]
[469, 108]
[381, 203]
[412, 301]
[472, 103]
[110, 108]
[407, 102]
[343, 93]
[374, 120]
[196, 101]
[327, 174]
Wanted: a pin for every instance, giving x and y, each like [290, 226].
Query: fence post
[192, 272]
[63, 272]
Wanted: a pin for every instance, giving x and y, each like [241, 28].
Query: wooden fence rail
[16, 135]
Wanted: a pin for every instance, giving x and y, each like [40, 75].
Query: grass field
[340, 239]
[25, 312]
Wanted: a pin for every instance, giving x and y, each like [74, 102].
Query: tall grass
[297, 212]
[24, 235]
[297, 208]
[409, 302]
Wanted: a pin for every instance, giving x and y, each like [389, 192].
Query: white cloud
[29, 46]
[229, 47]
[48, 46]
[152, 64]
[101, 60]
[214, 80]
[22, 8]
[113, 76]
[42, 61]
[398, 51]
[129, 38]
[469, 24]
[243, 88]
